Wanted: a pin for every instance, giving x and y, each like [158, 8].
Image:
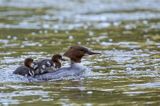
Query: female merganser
[28, 69]
[75, 53]
[48, 65]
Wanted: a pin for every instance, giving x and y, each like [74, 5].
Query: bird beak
[91, 53]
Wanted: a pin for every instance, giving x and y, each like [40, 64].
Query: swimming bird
[31, 68]
[48, 65]
[75, 54]
[28, 69]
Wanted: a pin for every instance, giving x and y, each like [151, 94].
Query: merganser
[48, 65]
[75, 53]
[31, 68]
[28, 69]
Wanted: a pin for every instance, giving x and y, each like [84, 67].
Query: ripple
[146, 85]
[57, 15]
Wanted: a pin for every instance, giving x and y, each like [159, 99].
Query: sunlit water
[126, 32]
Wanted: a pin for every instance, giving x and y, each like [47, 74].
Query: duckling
[28, 69]
[49, 65]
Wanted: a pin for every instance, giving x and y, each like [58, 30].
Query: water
[126, 32]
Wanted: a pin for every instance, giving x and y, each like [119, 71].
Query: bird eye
[82, 50]
[71, 47]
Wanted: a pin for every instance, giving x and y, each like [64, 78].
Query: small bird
[28, 69]
[49, 65]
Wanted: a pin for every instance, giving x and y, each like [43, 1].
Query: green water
[127, 73]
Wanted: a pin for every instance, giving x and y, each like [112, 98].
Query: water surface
[126, 32]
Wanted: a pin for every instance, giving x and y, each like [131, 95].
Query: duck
[28, 69]
[31, 68]
[75, 54]
[47, 65]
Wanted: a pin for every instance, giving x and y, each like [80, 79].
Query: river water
[126, 32]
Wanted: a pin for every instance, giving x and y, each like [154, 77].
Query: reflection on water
[126, 32]
[69, 14]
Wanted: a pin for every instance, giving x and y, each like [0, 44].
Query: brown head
[56, 59]
[75, 53]
[28, 62]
